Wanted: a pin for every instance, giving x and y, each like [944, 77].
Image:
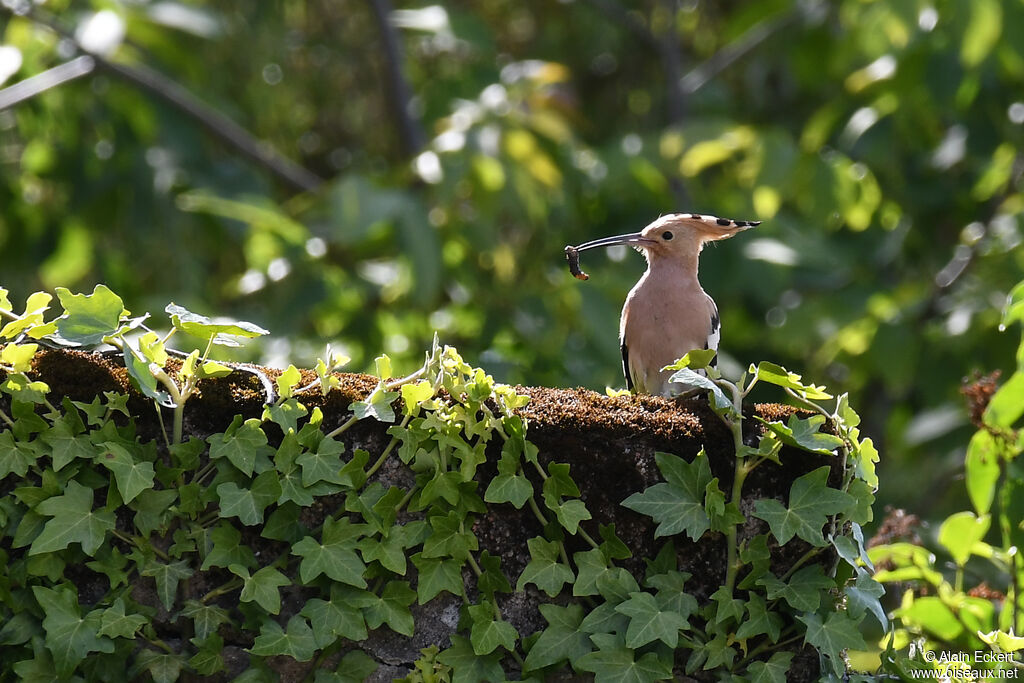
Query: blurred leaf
[982, 31]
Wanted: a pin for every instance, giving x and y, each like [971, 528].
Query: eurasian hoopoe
[667, 313]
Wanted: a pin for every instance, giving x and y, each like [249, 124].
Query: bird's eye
[667, 235]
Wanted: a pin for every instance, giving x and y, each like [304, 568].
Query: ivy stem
[586, 537]
[222, 589]
[740, 472]
[387, 450]
[800, 562]
[405, 500]
[5, 418]
[731, 565]
[163, 427]
[536, 511]
[348, 423]
[767, 646]
[478, 572]
[139, 544]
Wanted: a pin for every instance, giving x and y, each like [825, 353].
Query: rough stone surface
[609, 443]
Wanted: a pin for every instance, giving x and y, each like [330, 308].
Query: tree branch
[41, 82]
[399, 92]
[699, 76]
[179, 98]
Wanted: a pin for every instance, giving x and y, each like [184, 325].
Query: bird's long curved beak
[633, 238]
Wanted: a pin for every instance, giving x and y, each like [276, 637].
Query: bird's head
[675, 235]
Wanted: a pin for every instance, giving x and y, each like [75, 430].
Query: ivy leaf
[246, 448]
[111, 563]
[114, 622]
[66, 443]
[805, 434]
[414, 394]
[297, 641]
[353, 473]
[142, 374]
[392, 608]
[436, 576]
[722, 515]
[339, 617]
[487, 632]
[604, 619]
[810, 502]
[618, 665]
[167, 577]
[334, 555]
[355, 667]
[591, 565]
[132, 476]
[88, 318]
[18, 357]
[448, 539]
[759, 620]
[678, 503]
[865, 595]
[719, 401]
[867, 459]
[226, 549]
[837, 633]
[648, 622]
[69, 635]
[288, 380]
[248, 504]
[208, 659]
[756, 555]
[509, 488]
[672, 595]
[32, 319]
[286, 415]
[545, 570]
[20, 629]
[206, 619]
[261, 587]
[468, 667]
[780, 376]
[562, 640]
[205, 329]
[324, 464]
[612, 546]
[772, 671]
[74, 521]
[162, 667]
[492, 580]
[730, 608]
[15, 456]
[804, 590]
[154, 510]
[377, 405]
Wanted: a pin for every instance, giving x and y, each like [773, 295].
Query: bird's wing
[715, 335]
[625, 365]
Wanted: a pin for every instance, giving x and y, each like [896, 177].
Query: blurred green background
[432, 160]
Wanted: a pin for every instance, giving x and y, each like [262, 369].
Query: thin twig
[172, 93]
[41, 82]
[409, 130]
[704, 72]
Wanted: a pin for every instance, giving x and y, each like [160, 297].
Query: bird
[667, 313]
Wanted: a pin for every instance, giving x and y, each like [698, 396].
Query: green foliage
[951, 608]
[870, 137]
[177, 515]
